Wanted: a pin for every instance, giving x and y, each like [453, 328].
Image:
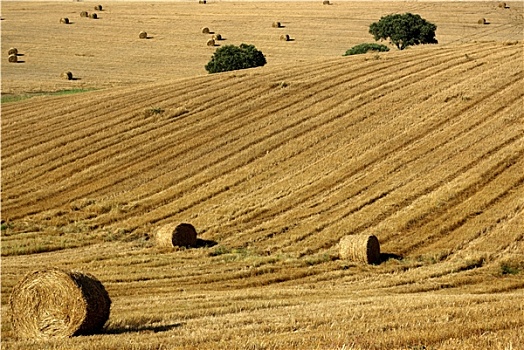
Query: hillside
[422, 148]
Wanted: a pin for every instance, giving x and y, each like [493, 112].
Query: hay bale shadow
[205, 243]
[141, 328]
[388, 256]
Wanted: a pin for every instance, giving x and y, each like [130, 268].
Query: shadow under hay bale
[176, 235]
[360, 248]
[56, 303]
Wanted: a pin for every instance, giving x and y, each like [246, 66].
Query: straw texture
[360, 248]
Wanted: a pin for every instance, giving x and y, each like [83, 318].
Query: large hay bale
[12, 51]
[173, 235]
[201, 1]
[98, 8]
[216, 37]
[360, 248]
[93, 16]
[84, 14]
[502, 5]
[205, 30]
[276, 25]
[12, 58]
[64, 20]
[210, 42]
[142, 35]
[284, 37]
[482, 21]
[326, 2]
[66, 75]
[56, 303]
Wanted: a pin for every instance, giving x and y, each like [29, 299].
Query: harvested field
[422, 148]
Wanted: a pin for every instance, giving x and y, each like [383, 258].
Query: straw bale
[64, 20]
[326, 2]
[217, 37]
[66, 75]
[12, 51]
[84, 14]
[93, 15]
[210, 42]
[176, 235]
[56, 303]
[12, 58]
[360, 248]
[276, 25]
[482, 21]
[98, 8]
[142, 35]
[284, 37]
[205, 30]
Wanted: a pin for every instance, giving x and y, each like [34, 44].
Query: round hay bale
[98, 8]
[93, 16]
[142, 35]
[64, 20]
[210, 42]
[326, 2]
[502, 5]
[173, 235]
[217, 37]
[13, 58]
[84, 14]
[201, 1]
[360, 248]
[284, 37]
[482, 21]
[205, 30]
[66, 75]
[276, 25]
[56, 303]
[12, 51]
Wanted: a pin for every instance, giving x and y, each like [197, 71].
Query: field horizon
[422, 148]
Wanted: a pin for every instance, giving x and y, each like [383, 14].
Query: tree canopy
[231, 57]
[404, 30]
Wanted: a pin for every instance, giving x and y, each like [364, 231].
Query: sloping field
[422, 148]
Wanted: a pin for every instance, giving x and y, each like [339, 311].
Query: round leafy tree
[404, 30]
[231, 57]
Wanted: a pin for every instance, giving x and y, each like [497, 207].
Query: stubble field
[423, 148]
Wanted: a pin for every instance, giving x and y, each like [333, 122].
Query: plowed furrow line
[313, 194]
[441, 227]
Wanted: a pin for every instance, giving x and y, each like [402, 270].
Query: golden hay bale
[284, 37]
[84, 14]
[276, 25]
[205, 30]
[12, 51]
[201, 1]
[482, 21]
[98, 8]
[217, 37]
[173, 235]
[360, 248]
[142, 35]
[502, 5]
[13, 58]
[56, 303]
[210, 42]
[66, 75]
[93, 15]
[64, 20]
[326, 2]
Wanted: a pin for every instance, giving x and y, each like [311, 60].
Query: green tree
[231, 57]
[404, 30]
[363, 48]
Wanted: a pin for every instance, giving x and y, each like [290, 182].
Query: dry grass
[274, 165]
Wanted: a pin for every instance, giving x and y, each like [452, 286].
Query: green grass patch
[8, 98]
